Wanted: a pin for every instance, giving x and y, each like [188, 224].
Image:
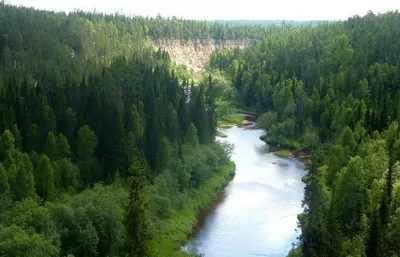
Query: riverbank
[178, 228]
[230, 120]
[289, 150]
[240, 223]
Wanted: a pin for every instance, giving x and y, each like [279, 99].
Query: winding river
[257, 212]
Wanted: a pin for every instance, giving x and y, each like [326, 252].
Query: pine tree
[63, 150]
[114, 138]
[44, 177]
[4, 186]
[50, 146]
[7, 143]
[200, 118]
[136, 222]
[211, 95]
[163, 155]
[191, 136]
[33, 138]
[17, 136]
[86, 143]
[68, 126]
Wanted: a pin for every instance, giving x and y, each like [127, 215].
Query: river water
[257, 214]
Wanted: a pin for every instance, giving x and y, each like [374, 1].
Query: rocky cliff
[195, 53]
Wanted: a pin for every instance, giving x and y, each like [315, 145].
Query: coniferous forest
[107, 150]
[104, 150]
[332, 90]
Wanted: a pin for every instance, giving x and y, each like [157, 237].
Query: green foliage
[16, 242]
[86, 143]
[163, 155]
[283, 153]
[136, 220]
[91, 223]
[172, 231]
[83, 97]
[44, 177]
[7, 141]
[229, 119]
[191, 136]
[4, 186]
[50, 147]
[19, 172]
[66, 174]
[296, 252]
[333, 93]
[33, 218]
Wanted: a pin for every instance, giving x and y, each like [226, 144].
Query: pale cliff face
[195, 53]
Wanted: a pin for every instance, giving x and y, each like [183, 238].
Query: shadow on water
[205, 213]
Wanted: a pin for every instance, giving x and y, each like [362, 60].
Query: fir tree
[136, 220]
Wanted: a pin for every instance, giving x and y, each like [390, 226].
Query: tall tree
[44, 178]
[136, 222]
[85, 148]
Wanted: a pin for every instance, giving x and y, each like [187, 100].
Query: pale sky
[224, 9]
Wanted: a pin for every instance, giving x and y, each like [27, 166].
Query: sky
[224, 9]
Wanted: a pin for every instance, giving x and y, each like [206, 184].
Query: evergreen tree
[33, 138]
[200, 117]
[136, 222]
[191, 136]
[85, 148]
[4, 186]
[44, 178]
[163, 156]
[63, 149]
[50, 146]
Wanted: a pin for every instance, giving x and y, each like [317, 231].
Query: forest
[106, 149]
[332, 90]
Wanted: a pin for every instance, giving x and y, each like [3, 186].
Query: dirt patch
[195, 53]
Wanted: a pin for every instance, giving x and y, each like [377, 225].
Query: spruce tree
[200, 118]
[136, 220]
[4, 186]
[44, 177]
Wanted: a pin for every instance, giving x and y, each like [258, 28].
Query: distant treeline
[271, 22]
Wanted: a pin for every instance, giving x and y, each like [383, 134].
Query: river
[257, 213]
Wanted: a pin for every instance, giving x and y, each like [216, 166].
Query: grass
[176, 230]
[230, 119]
[283, 153]
[283, 143]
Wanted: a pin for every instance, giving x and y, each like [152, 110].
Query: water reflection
[257, 215]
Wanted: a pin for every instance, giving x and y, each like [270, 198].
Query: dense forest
[104, 150]
[332, 90]
[271, 22]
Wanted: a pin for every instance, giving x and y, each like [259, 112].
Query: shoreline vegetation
[107, 148]
[220, 134]
[179, 228]
[289, 150]
[284, 149]
[340, 104]
[243, 123]
[230, 120]
[283, 153]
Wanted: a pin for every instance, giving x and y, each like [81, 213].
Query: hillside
[195, 53]
[106, 149]
[100, 142]
[333, 90]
